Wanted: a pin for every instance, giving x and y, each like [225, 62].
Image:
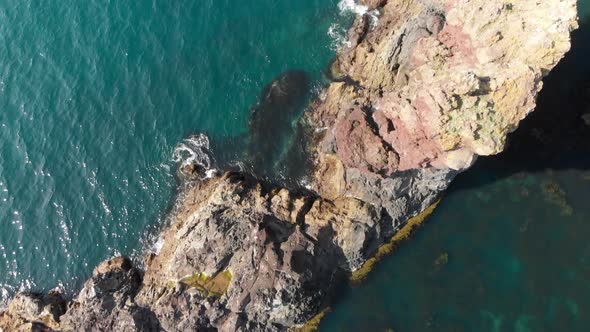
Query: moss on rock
[210, 286]
[313, 324]
[554, 194]
[404, 233]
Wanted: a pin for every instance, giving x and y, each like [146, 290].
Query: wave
[347, 6]
[338, 33]
[338, 36]
[194, 151]
[7, 290]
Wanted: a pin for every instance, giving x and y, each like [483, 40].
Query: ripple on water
[94, 99]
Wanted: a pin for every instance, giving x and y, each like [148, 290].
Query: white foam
[194, 150]
[338, 33]
[352, 6]
[157, 247]
[4, 295]
[210, 173]
[338, 36]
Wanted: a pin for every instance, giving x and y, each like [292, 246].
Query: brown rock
[359, 147]
[374, 4]
[33, 312]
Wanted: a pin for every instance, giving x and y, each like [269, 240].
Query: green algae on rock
[441, 260]
[387, 249]
[210, 286]
[555, 195]
[313, 324]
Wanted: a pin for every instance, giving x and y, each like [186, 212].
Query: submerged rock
[272, 117]
[433, 85]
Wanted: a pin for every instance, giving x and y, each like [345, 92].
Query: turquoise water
[96, 95]
[507, 249]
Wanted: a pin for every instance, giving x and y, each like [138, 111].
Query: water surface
[96, 95]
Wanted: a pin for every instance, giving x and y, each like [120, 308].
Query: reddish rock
[360, 147]
[416, 145]
[459, 42]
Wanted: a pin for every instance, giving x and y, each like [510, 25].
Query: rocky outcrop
[238, 256]
[441, 82]
[33, 312]
[417, 96]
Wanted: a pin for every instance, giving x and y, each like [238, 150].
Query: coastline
[285, 251]
[388, 248]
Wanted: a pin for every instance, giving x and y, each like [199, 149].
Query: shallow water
[96, 95]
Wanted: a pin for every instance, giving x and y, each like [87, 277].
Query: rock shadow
[275, 147]
[557, 134]
[275, 134]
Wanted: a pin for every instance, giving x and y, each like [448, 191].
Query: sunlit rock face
[443, 81]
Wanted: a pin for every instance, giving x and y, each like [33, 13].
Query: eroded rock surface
[416, 98]
[445, 81]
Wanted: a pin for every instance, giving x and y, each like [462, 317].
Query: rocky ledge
[422, 89]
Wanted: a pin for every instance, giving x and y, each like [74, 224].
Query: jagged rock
[448, 80]
[374, 4]
[33, 312]
[358, 146]
[278, 277]
[106, 301]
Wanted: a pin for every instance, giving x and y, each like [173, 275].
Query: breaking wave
[338, 32]
[195, 151]
[352, 6]
[338, 36]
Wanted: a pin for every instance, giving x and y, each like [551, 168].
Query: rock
[33, 312]
[279, 273]
[449, 82]
[359, 147]
[189, 170]
[106, 301]
[287, 206]
[359, 30]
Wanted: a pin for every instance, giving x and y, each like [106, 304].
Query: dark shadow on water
[275, 148]
[554, 136]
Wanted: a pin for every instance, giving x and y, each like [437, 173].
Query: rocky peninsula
[421, 89]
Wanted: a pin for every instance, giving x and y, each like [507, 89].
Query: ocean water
[508, 248]
[96, 95]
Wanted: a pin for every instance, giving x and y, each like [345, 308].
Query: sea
[100, 101]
